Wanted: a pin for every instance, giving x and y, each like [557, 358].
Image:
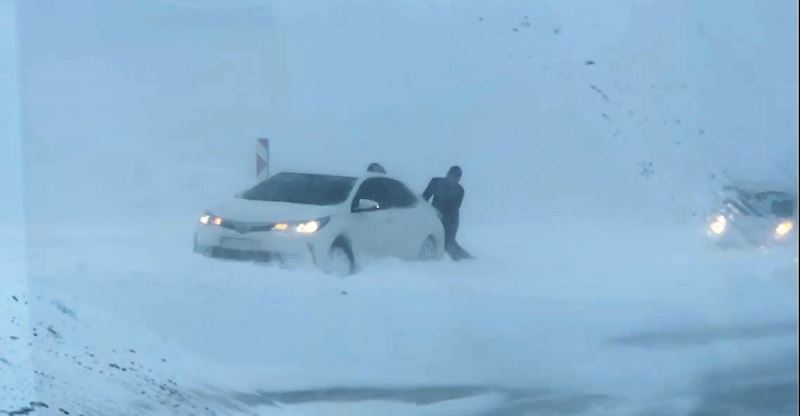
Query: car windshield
[302, 188]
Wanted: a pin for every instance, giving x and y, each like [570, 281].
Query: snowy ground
[554, 319]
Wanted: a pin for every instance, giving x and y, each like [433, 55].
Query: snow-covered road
[615, 321]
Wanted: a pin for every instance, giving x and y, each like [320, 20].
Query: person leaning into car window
[446, 195]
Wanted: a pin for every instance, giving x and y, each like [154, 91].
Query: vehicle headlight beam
[783, 229]
[210, 219]
[301, 227]
[309, 227]
[718, 225]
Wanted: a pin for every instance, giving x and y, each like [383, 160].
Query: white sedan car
[333, 222]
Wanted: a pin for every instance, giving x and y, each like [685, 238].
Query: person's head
[454, 173]
[376, 168]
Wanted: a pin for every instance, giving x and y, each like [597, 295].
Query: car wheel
[341, 260]
[428, 250]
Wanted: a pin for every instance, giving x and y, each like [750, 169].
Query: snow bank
[610, 322]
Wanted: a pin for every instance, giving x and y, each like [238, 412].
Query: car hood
[245, 210]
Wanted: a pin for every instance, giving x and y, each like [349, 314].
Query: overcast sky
[572, 102]
[10, 157]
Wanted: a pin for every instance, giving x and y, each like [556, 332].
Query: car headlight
[309, 227]
[302, 227]
[783, 229]
[207, 219]
[718, 225]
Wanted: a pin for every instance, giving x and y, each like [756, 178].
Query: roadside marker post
[262, 159]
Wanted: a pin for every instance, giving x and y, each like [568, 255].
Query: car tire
[342, 263]
[428, 250]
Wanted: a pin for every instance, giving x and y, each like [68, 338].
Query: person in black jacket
[447, 194]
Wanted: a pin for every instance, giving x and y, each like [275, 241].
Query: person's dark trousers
[451, 246]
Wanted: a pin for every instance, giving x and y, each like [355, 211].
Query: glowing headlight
[207, 219]
[718, 225]
[302, 227]
[784, 228]
[308, 227]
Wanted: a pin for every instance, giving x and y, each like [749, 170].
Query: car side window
[398, 195]
[373, 189]
[388, 193]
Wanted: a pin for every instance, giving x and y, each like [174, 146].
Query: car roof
[319, 172]
[359, 176]
[761, 191]
[755, 187]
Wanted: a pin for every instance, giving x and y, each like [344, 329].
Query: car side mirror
[366, 205]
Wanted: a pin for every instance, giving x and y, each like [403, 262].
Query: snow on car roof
[753, 187]
[360, 175]
[317, 172]
[753, 190]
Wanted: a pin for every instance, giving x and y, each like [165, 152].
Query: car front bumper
[752, 234]
[266, 247]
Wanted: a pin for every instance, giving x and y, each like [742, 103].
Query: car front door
[404, 226]
[371, 228]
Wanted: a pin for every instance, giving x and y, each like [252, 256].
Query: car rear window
[302, 188]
